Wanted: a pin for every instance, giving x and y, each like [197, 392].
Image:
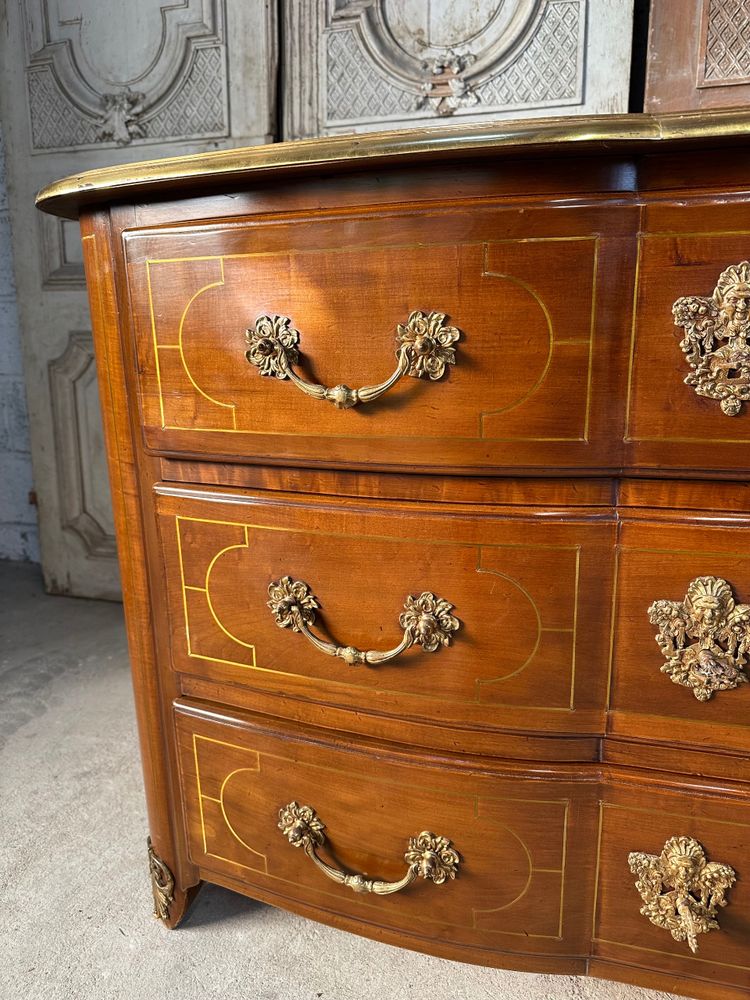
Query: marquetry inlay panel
[516, 879]
[524, 344]
[517, 591]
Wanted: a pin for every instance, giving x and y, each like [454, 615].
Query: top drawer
[541, 297]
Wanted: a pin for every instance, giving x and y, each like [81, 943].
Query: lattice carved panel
[86, 88]
[358, 65]
[725, 42]
[388, 60]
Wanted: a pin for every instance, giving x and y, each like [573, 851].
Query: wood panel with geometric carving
[698, 55]
[355, 66]
[83, 84]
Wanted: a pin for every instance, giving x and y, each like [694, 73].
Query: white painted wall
[18, 530]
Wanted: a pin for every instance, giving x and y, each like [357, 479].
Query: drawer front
[516, 884]
[644, 820]
[530, 381]
[689, 585]
[692, 297]
[519, 642]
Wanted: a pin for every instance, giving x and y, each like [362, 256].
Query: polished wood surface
[668, 424]
[642, 817]
[600, 485]
[533, 597]
[521, 838]
[660, 554]
[535, 369]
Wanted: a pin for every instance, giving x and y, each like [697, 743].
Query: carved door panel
[84, 84]
[360, 65]
[698, 55]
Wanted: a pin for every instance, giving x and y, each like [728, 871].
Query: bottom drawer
[698, 835]
[523, 837]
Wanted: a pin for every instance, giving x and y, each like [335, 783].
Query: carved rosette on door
[358, 65]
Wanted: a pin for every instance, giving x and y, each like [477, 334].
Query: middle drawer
[490, 620]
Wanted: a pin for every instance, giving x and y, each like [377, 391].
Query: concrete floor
[75, 906]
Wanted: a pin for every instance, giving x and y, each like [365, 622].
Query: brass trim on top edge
[67, 196]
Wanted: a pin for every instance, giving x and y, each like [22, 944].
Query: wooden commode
[429, 454]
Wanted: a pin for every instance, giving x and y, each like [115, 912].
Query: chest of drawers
[417, 442]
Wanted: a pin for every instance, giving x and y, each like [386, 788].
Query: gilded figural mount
[680, 889]
[427, 621]
[708, 614]
[716, 340]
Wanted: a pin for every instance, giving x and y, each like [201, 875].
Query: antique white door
[359, 65]
[84, 83]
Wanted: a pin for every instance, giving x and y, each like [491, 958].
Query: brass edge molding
[681, 890]
[426, 620]
[427, 856]
[720, 628]
[716, 340]
[67, 196]
[162, 883]
[424, 346]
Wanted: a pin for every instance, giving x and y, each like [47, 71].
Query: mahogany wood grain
[521, 885]
[532, 589]
[499, 491]
[151, 687]
[659, 556]
[632, 821]
[239, 769]
[596, 483]
[668, 423]
[535, 371]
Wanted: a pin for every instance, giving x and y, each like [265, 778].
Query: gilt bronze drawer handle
[426, 620]
[717, 339]
[424, 346]
[427, 856]
[720, 628]
[680, 889]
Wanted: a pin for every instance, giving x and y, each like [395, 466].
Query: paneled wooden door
[360, 65]
[83, 84]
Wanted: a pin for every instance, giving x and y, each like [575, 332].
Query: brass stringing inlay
[717, 339]
[680, 889]
[427, 856]
[720, 628]
[162, 883]
[424, 346]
